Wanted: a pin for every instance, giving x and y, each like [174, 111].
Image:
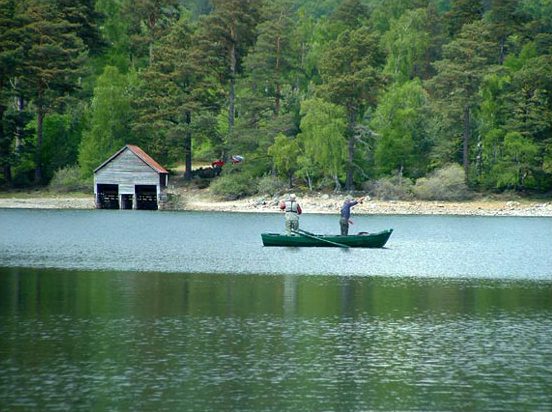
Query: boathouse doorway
[107, 196]
[146, 197]
[143, 197]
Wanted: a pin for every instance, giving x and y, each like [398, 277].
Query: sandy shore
[323, 203]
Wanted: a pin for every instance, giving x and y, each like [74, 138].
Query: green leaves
[515, 167]
[110, 117]
[322, 136]
[330, 90]
[285, 153]
[400, 124]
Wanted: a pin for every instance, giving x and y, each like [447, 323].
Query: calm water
[421, 246]
[109, 310]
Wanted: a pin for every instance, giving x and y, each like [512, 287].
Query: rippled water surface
[421, 246]
[104, 310]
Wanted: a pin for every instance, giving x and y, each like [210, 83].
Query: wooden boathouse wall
[130, 179]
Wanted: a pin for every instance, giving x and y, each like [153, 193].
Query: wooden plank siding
[128, 168]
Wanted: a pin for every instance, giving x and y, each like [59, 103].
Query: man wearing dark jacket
[344, 221]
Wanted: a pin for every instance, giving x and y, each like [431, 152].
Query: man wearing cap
[292, 211]
[344, 221]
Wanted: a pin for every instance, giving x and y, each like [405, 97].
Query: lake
[137, 310]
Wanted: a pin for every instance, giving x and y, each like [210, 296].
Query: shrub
[234, 186]
[447, 183]
[68, 179]
[270, 185]
[390, 188]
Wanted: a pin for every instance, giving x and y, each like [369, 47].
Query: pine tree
[10, 63]
[463, 12]
[505, 19]
[270, 62]
[148, 21]
[350, 70]
[176, 88]
[86, 20]
[53, 63]
[226, 34]
[459, 75]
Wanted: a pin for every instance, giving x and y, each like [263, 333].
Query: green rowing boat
[306, 239]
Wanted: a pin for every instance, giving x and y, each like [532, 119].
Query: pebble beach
[202, 200]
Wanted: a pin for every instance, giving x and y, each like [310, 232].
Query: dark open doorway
[108, 196]
[146, 197]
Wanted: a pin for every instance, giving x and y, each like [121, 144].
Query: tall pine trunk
[188, 146]
[278, 88]
[20, 123]
[6, 168]
[466, 141]
[39, 139]
[232, 93]
[350, 149]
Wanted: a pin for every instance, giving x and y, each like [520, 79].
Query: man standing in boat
[292, 211]
[344, 221]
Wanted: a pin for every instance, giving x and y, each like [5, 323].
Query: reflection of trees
[41, 292]
[290, 295]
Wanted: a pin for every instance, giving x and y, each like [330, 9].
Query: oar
[312, 236]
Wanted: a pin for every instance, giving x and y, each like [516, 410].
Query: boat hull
[370, 240]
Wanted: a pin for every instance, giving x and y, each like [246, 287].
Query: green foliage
[273, 58]
[110, 116]
[53, 63]
[514, 170]
[350, 73]
[68, 179]
[447, 183]
[322, 135]
[386, 11]
[62, 135]
[395, 187]
[148, 21]
[407, 43]
[270, 185]
[234, 186]
[467, 59]
[285, 152]
[327, 90]
[461, 13]
[400, 124]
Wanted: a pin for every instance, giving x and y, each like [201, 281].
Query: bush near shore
[241, 192]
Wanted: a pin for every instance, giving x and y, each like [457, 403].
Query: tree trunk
[7, 173]
[20, 123]
[466, 139]
[232, 93]
[351, 150]
[501, 52]
[188, 147]
[39, 139]
[337, 187]
[6, 169]
[277, 87]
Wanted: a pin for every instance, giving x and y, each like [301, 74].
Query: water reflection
[167, 341]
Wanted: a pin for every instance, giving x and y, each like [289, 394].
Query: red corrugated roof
[141, 154]
[146, 158]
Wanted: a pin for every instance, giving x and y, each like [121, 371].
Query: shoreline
[327, 204]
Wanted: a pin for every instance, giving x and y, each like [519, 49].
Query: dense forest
[323, 94]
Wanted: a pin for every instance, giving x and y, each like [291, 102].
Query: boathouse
[130, 179]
